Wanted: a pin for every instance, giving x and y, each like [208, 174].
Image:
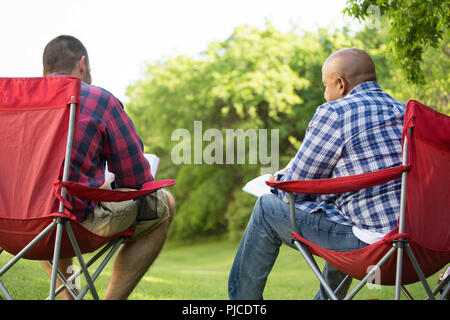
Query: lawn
[197, 271]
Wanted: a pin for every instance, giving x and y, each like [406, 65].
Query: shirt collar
[58, 74]
[365, 86]
[54, 74]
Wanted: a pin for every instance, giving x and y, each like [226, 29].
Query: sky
[123, 36]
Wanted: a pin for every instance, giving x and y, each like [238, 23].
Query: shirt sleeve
[319, 152]
[124, 150]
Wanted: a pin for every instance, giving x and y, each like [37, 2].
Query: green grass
[195, 272]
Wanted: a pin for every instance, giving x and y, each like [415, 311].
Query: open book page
[152, 159]
[258, 186]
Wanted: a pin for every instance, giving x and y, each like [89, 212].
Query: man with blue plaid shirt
[358, 130]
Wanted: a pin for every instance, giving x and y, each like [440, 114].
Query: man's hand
[274, 177]
[108, 181]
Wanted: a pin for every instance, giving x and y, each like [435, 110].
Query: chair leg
[18, 256]
[102, 265]
[2, 286]
[59, 230]
[406, 292]
[30, 245]
[440, 287]
[370, 274]
[419, 272]
[304, 250]
[5, 291]
[446, 291]
[66, 283]
[344, 283]
[398, 275]
[76, 248]
[88, 264]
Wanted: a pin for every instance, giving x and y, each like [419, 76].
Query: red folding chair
[38, 120]
[423, 226]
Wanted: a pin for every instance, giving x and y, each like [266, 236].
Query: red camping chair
[38, 120]
[423, 226]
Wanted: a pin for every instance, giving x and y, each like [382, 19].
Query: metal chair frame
[61, 224]
[398, 246]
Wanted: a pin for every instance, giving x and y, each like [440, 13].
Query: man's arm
[319, 152]
[124, 151]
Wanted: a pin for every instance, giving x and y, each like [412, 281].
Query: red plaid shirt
[105, 134]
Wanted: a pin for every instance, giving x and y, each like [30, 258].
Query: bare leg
[63, 266]
[134, 258]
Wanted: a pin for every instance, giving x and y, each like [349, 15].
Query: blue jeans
[268, 228]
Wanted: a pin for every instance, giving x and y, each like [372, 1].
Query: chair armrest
[90, 193]
[340, 184]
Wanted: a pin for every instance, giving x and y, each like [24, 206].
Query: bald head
[346, 69]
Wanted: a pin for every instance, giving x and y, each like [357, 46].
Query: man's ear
[83, 70]
[82, 65]
[342, 86]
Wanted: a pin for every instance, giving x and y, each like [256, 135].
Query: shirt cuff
[275, 191]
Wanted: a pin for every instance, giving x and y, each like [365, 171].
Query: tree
[244, 82]
[415, 26]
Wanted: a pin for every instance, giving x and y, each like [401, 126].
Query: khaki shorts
[110, 218]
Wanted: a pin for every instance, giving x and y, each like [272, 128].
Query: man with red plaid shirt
[105, 135]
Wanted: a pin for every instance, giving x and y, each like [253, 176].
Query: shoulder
[325, 121]
[364, 98]
[327, 112]
[98, 94]
[97, 100]
[370, 93]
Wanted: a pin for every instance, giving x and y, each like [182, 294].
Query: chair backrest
[427, 218]
[34, 121]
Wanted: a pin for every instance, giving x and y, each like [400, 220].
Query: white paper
[258, 186]
[153, 160]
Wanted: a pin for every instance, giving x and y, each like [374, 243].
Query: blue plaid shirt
[356, 134]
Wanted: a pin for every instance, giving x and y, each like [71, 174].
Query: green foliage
[435, 64]
[238, 213]
[415, 26]
[202, 206]
[250, 80]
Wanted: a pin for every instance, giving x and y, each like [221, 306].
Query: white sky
[121, 36]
